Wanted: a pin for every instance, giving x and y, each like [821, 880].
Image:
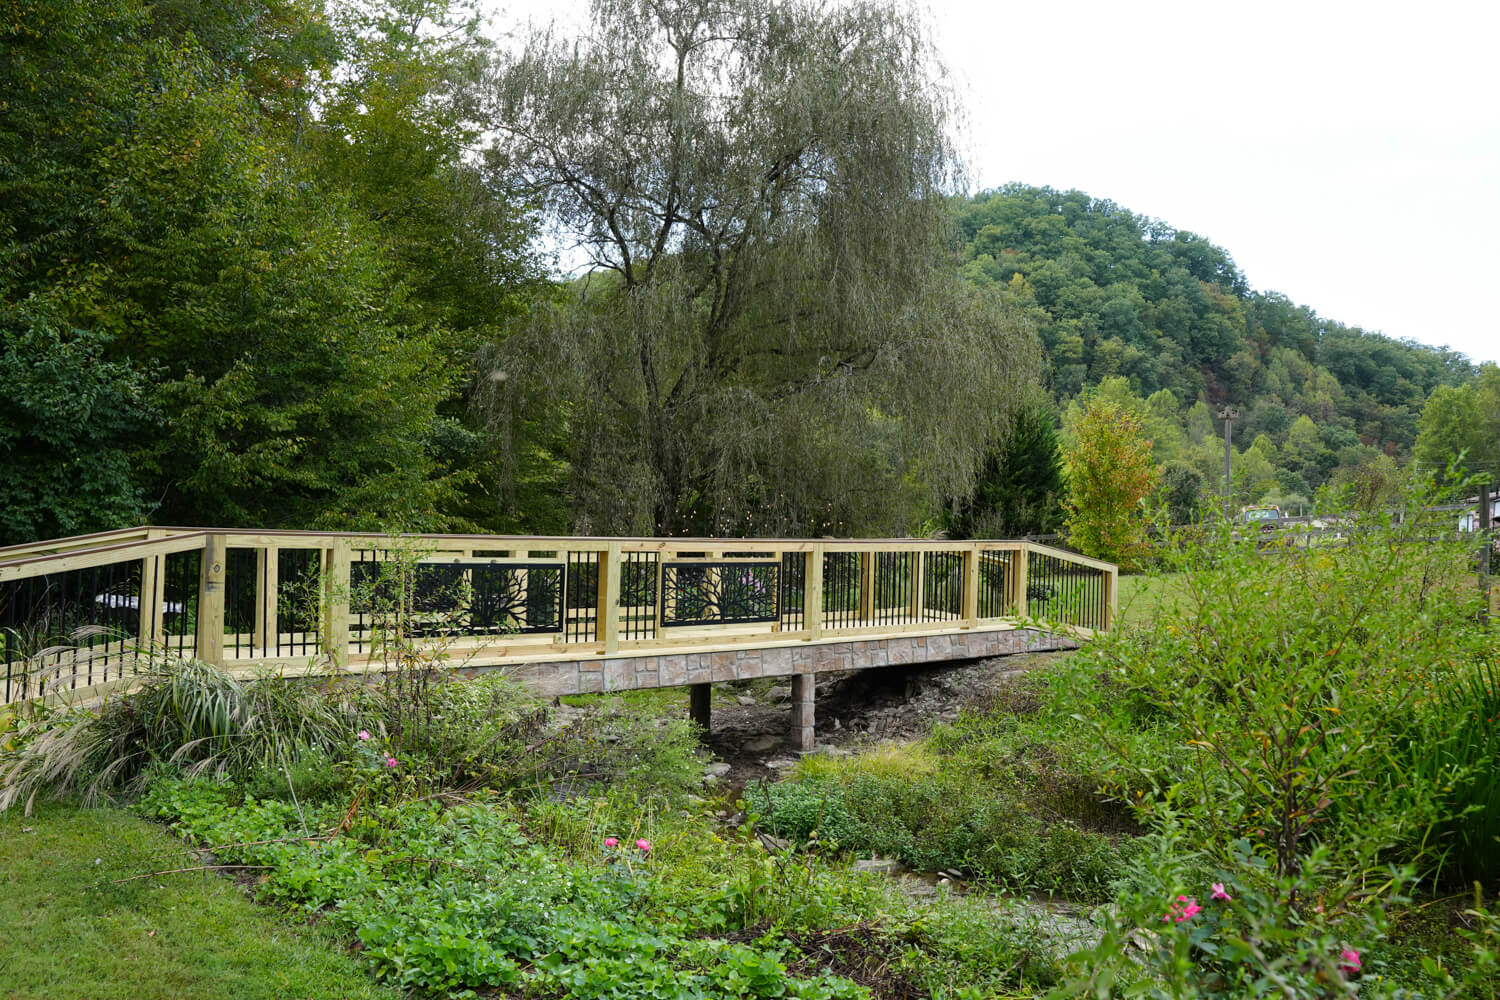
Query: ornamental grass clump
[185, 714]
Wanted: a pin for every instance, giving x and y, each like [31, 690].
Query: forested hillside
[1118, 296]
[276, 263]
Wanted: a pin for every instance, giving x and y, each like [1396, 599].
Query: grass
[66, 932]
[1143, 595]
[648, 701]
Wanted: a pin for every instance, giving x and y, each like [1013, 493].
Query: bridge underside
[800, 660]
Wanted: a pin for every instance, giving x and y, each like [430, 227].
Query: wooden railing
[78, 613]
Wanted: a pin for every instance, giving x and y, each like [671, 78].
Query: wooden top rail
[102, 548]
[1072, 557]
[57, 546]
[81, 557]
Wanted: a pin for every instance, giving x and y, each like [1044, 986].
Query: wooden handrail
[103, 555]
[57, 546]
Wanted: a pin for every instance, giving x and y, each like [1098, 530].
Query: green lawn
[1142, 596]
[66, 932]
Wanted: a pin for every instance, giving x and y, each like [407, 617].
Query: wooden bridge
[560, 615]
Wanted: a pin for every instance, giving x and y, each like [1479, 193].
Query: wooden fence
[78, 614]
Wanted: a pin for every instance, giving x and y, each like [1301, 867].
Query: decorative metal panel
[460, 598]
[720, 593]
[516, 598]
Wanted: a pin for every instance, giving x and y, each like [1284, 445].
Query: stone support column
[804, 693]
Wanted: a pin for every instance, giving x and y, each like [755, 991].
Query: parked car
[1267, 517]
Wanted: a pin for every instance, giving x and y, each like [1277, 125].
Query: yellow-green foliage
[887, 762]
[1110, 473]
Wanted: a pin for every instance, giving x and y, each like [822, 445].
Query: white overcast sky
[1345, 154]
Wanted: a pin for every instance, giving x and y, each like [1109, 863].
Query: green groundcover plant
[453, 899]
[936, 812]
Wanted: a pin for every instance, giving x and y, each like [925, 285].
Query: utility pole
[1229, 415]
[1483, 525]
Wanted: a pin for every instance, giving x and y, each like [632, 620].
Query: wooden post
[336, 562]
[153, 603]
[210, 639]
[267, 587]
[971, 587]
[1111, 598]
[700, 704]
[867, 587]
[1022, 569]
[812, 593]
[609, 597]
[804, 711]
[916, 603]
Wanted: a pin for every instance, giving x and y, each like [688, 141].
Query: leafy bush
[907, 804]
[451, 733]
[1281, 683]
[1181, 934]
[650, 756]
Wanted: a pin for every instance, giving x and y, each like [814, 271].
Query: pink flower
[390, 762]
[364, 734]
[1219, 893]
[644, 845]
[1349, 960]
[1182, 910]
[611, 842]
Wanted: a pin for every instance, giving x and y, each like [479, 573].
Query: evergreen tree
[1020, 489]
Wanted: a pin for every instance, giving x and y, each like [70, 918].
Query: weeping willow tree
[772, 335]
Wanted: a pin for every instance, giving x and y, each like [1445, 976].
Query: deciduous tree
[1109, 473]
[773, 336]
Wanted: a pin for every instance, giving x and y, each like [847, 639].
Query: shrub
[452, 733]
[1180, 933]
[905, 803]
[1283, 684]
